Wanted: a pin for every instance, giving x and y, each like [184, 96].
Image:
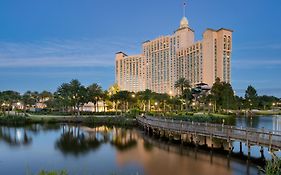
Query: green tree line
[71, 97]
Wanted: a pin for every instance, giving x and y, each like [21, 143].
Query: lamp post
[155, 104]
[273, 105]
[133, 96]
[210, 105]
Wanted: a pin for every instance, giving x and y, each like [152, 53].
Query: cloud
[258, 46]
[62, 53]
[53, 73]
[256, 63]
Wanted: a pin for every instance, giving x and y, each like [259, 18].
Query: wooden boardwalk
[250, 136]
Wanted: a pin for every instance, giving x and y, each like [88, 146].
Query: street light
[170, 93]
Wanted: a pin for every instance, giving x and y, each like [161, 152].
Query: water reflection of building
[276, 123]
[78, 140]
[15, 136]
[160, 158]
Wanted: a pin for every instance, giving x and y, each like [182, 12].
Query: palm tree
[182, 84]
[162, 99]
[10, 97]
[112, 90]
[94, 92]
[104, 97]
[72, 94]
[28, 99]
[123, 97]
[78, 93]
[146, 97]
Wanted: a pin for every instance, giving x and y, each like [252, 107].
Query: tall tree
[72, 94]
[222, 95]
[251, 97]
[123, 97]
[8, 98]
[145, 97]
[182, 84]
[94, 93]
[28, 99]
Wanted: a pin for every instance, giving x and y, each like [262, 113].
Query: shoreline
[87, 120]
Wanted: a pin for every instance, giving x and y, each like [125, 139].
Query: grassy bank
[267, 112]
[88, 120]
[272, 167]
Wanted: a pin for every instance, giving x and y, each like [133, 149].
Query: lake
[112, 150]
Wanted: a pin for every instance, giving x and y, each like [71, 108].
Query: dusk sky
[44, 43]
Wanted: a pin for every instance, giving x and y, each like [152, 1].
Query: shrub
[43, 172]
[273, 167]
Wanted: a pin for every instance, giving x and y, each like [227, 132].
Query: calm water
[111, 150]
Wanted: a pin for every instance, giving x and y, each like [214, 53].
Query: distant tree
[8, 98]
[161, 99]
[105, 97]
[112, 90]
[45, 96]
[182, 84]
[222, 95]
[251, 97]
[145, 97]
[266, 102]
[29, 99]
[228, 98]
[187, 96]
[72, 94]
[216, 93]
[94, 93]
[123, 97]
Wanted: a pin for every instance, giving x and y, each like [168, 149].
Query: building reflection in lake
[132, 149]
[276, 123]
[15, 136]
[81, 139]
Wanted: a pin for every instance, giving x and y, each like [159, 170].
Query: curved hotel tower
[166, 59]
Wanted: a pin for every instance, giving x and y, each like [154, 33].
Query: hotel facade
[166, 59]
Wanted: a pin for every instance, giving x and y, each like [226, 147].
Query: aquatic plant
[272, 167]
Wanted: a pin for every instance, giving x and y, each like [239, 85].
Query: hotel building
[166, 59]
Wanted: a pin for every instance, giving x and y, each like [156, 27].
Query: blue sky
[45, 43]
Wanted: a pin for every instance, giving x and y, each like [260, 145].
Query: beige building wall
[130, 72]
[167, 58]
[157, 64]
[217, 46]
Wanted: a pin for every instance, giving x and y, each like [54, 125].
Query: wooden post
[205, 140]
[229, 146]
[270, 142]
[249, 151]
[262, 152]
[212, 145]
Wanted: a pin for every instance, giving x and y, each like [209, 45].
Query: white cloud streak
[258, 46]
[256, 63]
[62, 53]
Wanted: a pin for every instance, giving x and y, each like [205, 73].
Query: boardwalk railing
[251, 136]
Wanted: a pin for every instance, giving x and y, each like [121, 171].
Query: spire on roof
[184, 21]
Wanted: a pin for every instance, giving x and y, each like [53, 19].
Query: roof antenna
[184, 8]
